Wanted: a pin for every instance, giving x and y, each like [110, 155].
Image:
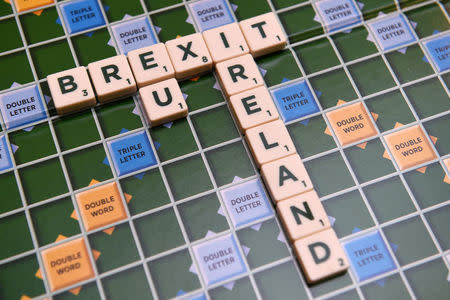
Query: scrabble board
[362, 88]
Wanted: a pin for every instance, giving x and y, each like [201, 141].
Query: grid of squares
[202, 152]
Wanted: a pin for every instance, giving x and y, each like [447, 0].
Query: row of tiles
[301, 212]
[182, 58]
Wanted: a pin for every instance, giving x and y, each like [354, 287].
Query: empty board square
[316, 55]
[263, 243]
[93, 46]
[371, 76]
[71, 90]
[294, 101]
[118, 10]
[25, 269]
[429, 19]
[367, 160]
[225, 42]
[82, 15]
[300, 24]
[403, 237]
[391, 32]
[246, 202]
[219, 259]
[170, 284]
[391, 287]
[154, 240]
[34, 22]
[329, 174]
[345, 223]
[86, 291]
[134, 34]
[61, 222]
[424, 105]
[173, 141]
[410, 147]
[332, 86]
[172, 23]
[431, 178]
[437, 219]
[16, 234]
[131, 153]
[240, 289]
[203, 217]
[439, 52]
[22, 106]
[369, 256]
[35, 178]
[118, 116]
[204, 91]
[351, 123]
[244, 9]
[5, 158]
[372, 9]
[44, 57]
[12, 35]
[67, 130]
[106, 243]
[354, 44]
[210, 14]
[331, 285]
[264, 34]
[19, 70]
[390, 109]
[187, 177]
[437, 128]
[86, 164]
[429, 280]
[214, 126]
[409, 63]
[272, 282]
[337, 14]
[139, 187]
[379, 195]
[68, 271]
[132, 282]
[229, 163]
[309, 136]
[8, 184]
[278, 67]
[151, 64]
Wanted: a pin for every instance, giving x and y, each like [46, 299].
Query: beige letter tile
[253, 108]
[286, 177]
[71, 90]
[189, 55]
[239, 74]
[264, 34]
[151, 64]
[269, 142]
[302, 215]
[112, 78]
[225, 42]
[321, 255]
[163, 102]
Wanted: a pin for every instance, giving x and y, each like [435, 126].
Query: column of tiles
[301, 212]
